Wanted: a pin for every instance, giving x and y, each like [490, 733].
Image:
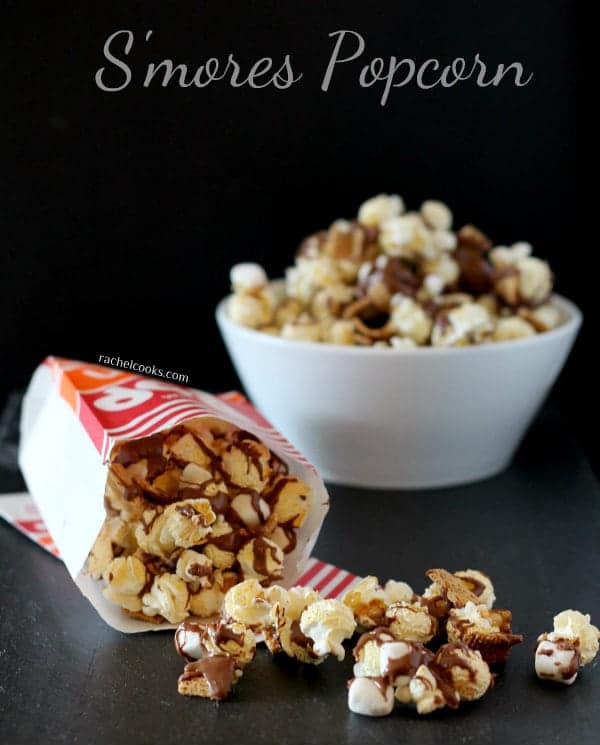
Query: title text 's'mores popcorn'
[191, 512]
[397, 279]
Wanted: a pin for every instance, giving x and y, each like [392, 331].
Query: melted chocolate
[132, 492]
[291, 536]
[132, 451]
[380, 635]
[186, 510]
[156, 464]
[399, 276]
[219, 503]
[262, 549]
[273, 494]
[278, 467]
[200, 570]
[218, 671]
[475, 586]
[243, 434]
[476, 273]
[441, 668]
[438, 607]
[231, 541]
[298, 638]
[565, 645]
[223, 633]
[247, 447]
[409, 663]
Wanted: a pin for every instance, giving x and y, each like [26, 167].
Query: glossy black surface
[68, 678]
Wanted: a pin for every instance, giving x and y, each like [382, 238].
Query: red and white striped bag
[74, 412]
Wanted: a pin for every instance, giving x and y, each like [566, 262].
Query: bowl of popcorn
[398, 351]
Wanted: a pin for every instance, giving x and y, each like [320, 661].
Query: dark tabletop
[66, 677]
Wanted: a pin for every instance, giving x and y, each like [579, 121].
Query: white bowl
[401, 418]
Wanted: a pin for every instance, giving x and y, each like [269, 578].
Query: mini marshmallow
[188, 641]
[371, 697]
[557, 659]
[247, 276]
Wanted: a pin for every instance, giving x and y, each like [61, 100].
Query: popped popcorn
[193, 511]
[397, 279]
[327, 623]
[369, 601]
[411, 622]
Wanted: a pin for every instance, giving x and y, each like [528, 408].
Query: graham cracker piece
[452, 587]
[137, 614]
[194, 687]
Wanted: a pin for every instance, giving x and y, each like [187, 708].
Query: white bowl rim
[568, 327]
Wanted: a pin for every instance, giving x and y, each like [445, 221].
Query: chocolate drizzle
[186, 510]
[131, 451]
[248, 447]
[438, 606]
[262, 550]
[218, 671]
[379, 635]
[163, 486]
[232, 542]
[224, 633]
[300, 639]
[291, 537]
[449, 656]
[409, 663]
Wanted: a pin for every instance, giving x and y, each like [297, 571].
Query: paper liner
[73, 414]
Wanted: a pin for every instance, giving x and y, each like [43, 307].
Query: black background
[123, 211]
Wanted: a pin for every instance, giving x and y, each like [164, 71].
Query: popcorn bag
[160, 497]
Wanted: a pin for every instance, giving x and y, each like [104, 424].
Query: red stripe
[327, 578]
[315, 569]
[337, 590]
